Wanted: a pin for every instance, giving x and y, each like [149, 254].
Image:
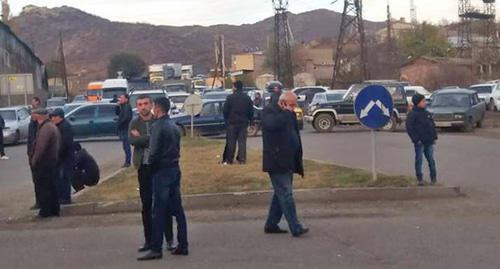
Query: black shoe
[276, 230]
[126, 165]
[421, 184]
[301, 232]
[180, 251]
[151, 255]
[170, 246]
[144, 248]
[35, 207]
[433, 182]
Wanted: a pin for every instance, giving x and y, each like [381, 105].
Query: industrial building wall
[15, 58]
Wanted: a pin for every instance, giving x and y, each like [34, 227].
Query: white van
[114, 87]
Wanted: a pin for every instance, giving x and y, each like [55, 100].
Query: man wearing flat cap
[66, 156]
[43, 159]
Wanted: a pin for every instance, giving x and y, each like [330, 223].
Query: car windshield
[450, 100]
[153, 96]
[178, 99]
[334, 97]
[110, 93]
[52, 103]
[215, 96]
[8, 115]
[482, 89]
[175, 88]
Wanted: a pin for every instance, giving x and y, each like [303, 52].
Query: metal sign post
[193, 105]
[374, 108]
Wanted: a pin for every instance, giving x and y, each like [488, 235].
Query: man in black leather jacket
[164, 145]
[282, 157]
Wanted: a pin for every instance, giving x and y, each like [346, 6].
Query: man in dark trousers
[164, 145]
[66, 156]
[282, 157]
[32, 129]
[140, 131]
[2, 149]
[124, 118]
[422, 131]
[238, 113]
[43, 160]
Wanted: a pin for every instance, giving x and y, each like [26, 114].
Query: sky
[236, 12]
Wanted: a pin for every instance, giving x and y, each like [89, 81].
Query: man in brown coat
[43, 159]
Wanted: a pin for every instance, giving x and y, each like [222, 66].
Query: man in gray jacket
[43, 160]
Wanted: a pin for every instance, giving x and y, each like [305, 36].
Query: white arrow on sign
[369, 107]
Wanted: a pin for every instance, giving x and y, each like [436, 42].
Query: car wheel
[253, 130]
[491, 105]
[468, 126]
[324, 123]
[17, 138]
[392, 125]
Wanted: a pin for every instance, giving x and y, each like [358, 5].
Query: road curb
[262, 198]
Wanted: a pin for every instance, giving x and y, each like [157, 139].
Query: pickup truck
[324, 117]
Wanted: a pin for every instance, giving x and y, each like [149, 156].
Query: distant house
[317, 61]
[398, 28]
[17, 58]
[437, 72]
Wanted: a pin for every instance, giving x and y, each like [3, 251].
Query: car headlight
[458, 116]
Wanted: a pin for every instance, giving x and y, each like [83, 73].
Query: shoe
[35, 207]
[242, 163]
[144, 248]
[126, 165]
[421, 184]
[433, 182]
[151, 255]
[301, 232]
[170, 246]
[276, 230]
[180, 251]
[4, 157]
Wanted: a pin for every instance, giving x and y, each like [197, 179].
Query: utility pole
[283, 37]
[464, 29]
[220, 65]
[352, 33]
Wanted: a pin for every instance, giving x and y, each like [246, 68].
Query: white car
[489, 93]
[153, 94]
[306, 94]
[412, 90]
[326, 97]
[178, 99]
[17, 121]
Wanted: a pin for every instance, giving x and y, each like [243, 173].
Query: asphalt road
[16, 187]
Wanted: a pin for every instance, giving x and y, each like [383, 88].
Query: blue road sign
[374, 106]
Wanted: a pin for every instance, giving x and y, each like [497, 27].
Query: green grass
[202, 173]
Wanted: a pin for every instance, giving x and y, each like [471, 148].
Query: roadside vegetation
[202, 173]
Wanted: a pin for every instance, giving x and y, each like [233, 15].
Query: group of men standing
[50, 155]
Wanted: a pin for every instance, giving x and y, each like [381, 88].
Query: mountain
[89, 40]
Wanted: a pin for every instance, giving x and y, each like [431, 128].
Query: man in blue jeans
[124, 118]
[282, 157]
[422, 130]
[164, 145]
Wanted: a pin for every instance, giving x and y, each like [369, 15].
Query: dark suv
[325, 116]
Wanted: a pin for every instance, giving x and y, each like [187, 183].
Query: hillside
[90, 40]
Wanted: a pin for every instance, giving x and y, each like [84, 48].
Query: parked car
[210, 121]
[56, 102]
[412, 90]
[488, 93]
[325, 97]
[178, 99]
[71, 106]
[93, 120]
[17, 120]
[325, 116]
[79, 99]
[175, 87]
[457, 108]
[216, 95]
[306, 94]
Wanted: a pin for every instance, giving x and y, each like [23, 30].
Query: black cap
[417, 98]
[57, 112]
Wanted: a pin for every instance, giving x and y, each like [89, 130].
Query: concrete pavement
[16, 187]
